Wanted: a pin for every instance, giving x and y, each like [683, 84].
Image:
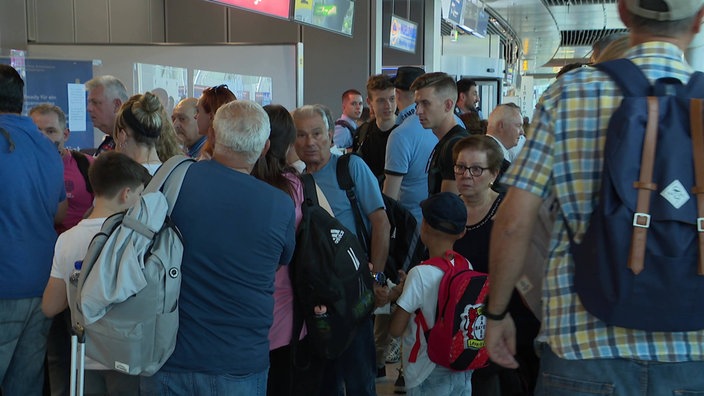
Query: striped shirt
[564, 154]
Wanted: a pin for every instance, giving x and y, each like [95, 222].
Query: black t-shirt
[441, 166]
[373, 147]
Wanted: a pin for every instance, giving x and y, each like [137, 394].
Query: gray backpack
[125, 302]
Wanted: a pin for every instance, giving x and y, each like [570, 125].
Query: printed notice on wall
[76, 107]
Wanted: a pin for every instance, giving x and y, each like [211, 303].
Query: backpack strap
[697, 128]
[629, 78]
[83, 165]
[347, 125]
[445, 265]
[696, 84]
[645, 187]
[361, 136]
[344, 180]
[170, 168]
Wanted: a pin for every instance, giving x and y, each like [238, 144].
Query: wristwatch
[493, 316]
[379, 278]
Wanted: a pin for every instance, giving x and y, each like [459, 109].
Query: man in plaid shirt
[564, 155]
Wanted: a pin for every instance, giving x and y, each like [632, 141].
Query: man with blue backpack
[620, 145]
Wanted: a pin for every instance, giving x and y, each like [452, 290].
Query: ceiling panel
[553, 33]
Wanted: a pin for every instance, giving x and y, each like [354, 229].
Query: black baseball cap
[445, 212]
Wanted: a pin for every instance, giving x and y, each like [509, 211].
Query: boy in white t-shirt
[117, 182]
[444, 219]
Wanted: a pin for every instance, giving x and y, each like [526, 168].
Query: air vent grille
[576, 38]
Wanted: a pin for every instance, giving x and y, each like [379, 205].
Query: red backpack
[456, 341]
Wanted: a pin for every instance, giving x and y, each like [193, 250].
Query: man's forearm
[380, 240]
[510, 241]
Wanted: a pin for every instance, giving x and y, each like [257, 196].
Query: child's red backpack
[456, 341]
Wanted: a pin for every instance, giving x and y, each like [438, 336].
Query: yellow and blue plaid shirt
[564, 154]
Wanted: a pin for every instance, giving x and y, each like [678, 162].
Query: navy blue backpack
[640, 264]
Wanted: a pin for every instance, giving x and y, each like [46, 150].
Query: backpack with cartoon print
[456, 341]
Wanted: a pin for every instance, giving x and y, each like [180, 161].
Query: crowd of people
[475, 190]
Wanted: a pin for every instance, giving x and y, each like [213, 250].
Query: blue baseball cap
[445, 212]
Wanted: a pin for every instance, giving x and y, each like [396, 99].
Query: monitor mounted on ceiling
[334, 15]
[403, 34]
[275, 8]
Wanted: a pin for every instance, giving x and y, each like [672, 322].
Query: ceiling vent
[577, 38]
[562, 3]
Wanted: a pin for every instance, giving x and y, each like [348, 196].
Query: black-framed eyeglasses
[474, 170]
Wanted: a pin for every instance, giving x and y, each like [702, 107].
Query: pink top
[79, 199]
[282, 327]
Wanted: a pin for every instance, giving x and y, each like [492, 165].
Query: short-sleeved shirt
[420, 291]
[32, 180]
[441, 166]
[407, 154]
[71, 246]
[343, 135]
[79, 199]
[366, 188]
[373, 148]
[236, 231]
[564, 154]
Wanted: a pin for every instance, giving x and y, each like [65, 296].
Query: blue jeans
[619, 377]
[23, 334]
[355, 370]
[445, 382]
[168, 383]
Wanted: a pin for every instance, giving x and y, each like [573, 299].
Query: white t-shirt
[152, 167]
[420, 291]
[71, 246]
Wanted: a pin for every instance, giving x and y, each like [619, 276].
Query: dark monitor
[482, 23]
[334, 15]
[275, 8]
[454, 14]
[403, 34]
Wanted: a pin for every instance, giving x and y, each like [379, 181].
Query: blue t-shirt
[407, 154]
[366, 186]
[32, 180]
[236, 231]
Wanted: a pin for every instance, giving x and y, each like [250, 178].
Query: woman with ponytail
[143, 132]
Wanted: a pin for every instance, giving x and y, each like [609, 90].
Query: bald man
[186, 126]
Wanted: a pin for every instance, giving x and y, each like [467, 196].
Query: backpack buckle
[642, 220]
[700, 224]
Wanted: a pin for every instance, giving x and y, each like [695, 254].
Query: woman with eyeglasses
[209, 102]
[478, 161]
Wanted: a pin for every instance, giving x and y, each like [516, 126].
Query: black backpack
[83, 165]
[329, 268]
[405, 247]
[640, 263]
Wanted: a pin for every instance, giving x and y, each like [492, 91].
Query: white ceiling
[539, 23]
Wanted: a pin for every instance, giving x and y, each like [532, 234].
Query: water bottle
[76, 273]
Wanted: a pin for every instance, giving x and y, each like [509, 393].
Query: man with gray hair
[105, 97]
[355, 370]
[581, 353]
[237, 230]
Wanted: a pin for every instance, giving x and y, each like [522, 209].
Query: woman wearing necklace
[478, 161]
[144, 133]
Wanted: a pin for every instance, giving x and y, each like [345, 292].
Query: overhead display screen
[402, 35]
[277, 8]
[334, 15]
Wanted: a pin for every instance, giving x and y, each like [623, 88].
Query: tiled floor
[385, 386]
